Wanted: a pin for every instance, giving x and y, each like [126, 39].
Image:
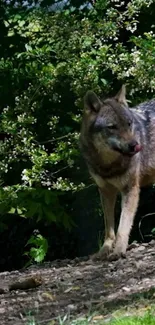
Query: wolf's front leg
[108, 198]
[130, 201]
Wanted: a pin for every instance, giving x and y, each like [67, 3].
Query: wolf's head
[110, 124]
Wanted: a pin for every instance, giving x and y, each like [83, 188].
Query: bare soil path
[76, 287]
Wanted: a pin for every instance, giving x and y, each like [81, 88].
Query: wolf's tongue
[137, 148]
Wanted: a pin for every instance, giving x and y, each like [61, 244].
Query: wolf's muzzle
[134, 147]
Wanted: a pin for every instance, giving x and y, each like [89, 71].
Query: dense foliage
[48, 61]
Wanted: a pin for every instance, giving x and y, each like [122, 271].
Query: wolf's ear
[92, 102]
[121, 96]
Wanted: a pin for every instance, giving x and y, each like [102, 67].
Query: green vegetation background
[48, 60]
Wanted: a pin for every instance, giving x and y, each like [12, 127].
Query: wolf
[118, 145]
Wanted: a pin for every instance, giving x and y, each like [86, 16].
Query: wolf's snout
[134, 147]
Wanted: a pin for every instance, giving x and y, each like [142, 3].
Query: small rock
[132, 245]
[126, 289]
[4, 274]
[131, 281]
[77, 260]
[146, 280]
[139, 249]
[10, 308]
[78, 274]
[15, 272]
[140, 265]
[89, 267]
[152, 242]
[71, 307]
[4, 289]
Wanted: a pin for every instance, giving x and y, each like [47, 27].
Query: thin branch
[146, 215]
[86, 187]
[54, 140]
[59, 170]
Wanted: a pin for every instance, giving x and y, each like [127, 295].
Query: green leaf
[67, 12]
[12, 210]
[21, 23]
[11, 33]
[28, 47]
[19, 211]
[104, 81]
[153, 231]
[48, 197]
[33, 209]
[48, 214]
[6, 23]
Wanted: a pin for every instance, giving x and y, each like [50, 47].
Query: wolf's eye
[112, 127]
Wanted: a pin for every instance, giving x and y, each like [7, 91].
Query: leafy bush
[39, 249]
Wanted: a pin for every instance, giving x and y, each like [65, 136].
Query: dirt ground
[75, 288]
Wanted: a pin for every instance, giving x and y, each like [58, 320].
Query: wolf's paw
[104, 251]
[116, 256]
[99, 256]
